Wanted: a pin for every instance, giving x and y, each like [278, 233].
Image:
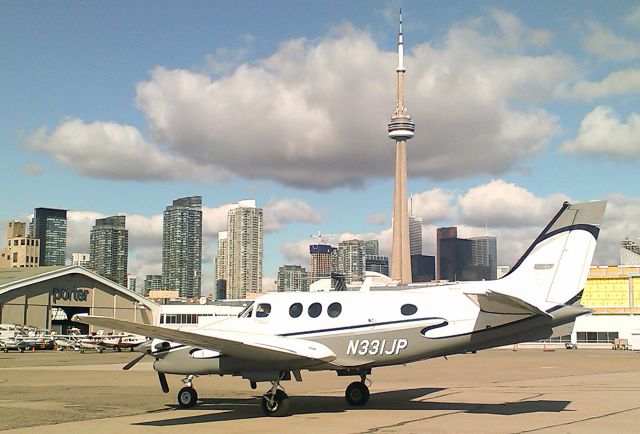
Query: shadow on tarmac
[249, 408]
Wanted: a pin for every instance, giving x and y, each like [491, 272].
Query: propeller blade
[163, 382]
[133, 362]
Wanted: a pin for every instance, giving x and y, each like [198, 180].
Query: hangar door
[61, 319]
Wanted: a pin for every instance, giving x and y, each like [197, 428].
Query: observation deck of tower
[401, 129]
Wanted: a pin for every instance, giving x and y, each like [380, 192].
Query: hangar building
[48, 297]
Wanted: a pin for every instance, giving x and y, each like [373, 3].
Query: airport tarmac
[492, 391]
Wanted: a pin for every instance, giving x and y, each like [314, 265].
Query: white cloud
[278, 212]
[500, 204]
[605, 45]
[602, 133]
[617, 83]
[633, 18]
[433, 205]
[113, 151]
[214, 219]
[79, 224]
[314, 113]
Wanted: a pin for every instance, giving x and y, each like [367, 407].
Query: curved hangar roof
[15, 278]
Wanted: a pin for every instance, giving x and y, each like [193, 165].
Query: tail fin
[554, 268]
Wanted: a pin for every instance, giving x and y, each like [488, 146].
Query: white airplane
[351, 332]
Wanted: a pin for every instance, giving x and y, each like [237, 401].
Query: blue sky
[121, 107]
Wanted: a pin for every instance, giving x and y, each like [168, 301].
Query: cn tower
[401, 129]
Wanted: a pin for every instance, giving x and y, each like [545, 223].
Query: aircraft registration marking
[376, 347]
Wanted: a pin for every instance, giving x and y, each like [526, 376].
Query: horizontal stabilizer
[495, 302]
[234, 344]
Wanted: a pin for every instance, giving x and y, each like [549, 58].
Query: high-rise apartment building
[81, 259]
[441, 234]
[454, 259]
[415, 235]
[292, 278]
[132, 283]
[352, 257]
[182, 247]
[323, 260]
[484, 257]
[109, 249]
[21, 250]
[372, 248]
[222, 265]
[423, 268]
[152, 282]
[50, 227]
[377, 263]
[245, 244]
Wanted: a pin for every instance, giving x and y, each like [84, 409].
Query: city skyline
[511, 102]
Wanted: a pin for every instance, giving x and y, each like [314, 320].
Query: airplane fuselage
[368, 329]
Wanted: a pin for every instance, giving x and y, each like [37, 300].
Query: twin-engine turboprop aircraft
[281, 334]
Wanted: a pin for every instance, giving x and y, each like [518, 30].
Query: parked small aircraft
[351, 332]
[122, 342]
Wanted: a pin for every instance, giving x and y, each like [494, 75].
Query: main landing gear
[187, 396]
[357, 393]
[275, 402]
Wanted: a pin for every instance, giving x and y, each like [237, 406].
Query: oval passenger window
[408, 309]
[315, 310]
[295, 310]
[334, 309]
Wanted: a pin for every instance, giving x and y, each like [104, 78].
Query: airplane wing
[496, 302]
[234, 344]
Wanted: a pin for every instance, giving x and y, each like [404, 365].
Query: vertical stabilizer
[554, 268]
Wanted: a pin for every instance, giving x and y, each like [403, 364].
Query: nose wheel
[357, 394]
[187, 396]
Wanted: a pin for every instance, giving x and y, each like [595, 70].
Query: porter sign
[74, 294]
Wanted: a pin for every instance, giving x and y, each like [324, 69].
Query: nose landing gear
[187, 396]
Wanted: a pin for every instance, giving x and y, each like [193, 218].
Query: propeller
[163, 382]
[144, 348]
[133, 362]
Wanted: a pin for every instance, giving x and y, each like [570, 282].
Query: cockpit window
[408, 309]
[246, 312]
[315, 309]
[263, 310]
[295, 310]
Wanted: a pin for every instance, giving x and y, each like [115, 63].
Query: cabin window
[315, 310]
[408, 309]
[263, 310]
[295, 310]
[334, 309]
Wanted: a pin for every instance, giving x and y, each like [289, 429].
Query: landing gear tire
[276, 407]
[357, 394]
[187, 397]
